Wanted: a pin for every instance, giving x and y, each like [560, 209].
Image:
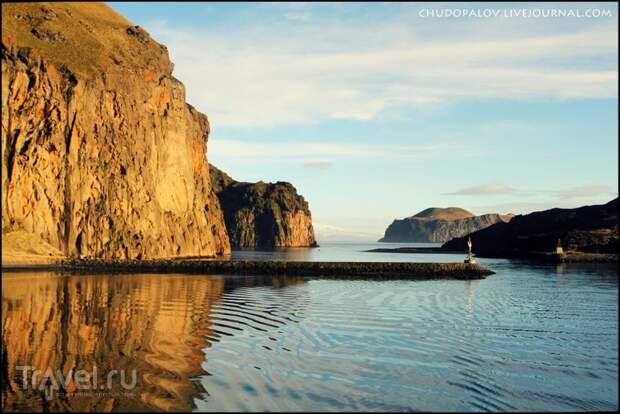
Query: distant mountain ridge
[438, 225]
[591, 229]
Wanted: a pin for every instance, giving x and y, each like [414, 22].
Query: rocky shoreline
[374, 270]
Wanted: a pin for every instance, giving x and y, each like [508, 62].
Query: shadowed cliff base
[339, 270]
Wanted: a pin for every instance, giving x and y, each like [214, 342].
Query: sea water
[530, 337]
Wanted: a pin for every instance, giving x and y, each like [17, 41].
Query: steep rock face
[260, 215]
[101, 156]
[586, 229]
[436, 225]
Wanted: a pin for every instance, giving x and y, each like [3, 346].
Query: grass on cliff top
[87, 38]
[449, 213]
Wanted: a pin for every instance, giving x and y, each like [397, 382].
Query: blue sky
[375, 111]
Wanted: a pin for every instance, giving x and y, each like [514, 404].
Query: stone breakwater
[375, 270]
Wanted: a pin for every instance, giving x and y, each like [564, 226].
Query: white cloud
[307, 73]
[521, 207]
[526, 207]
[484, 190]
[318, 164]
[298, 16]
[581, 191]
[310, 151]
[585, 191]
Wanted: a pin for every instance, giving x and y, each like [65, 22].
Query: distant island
[438, 225]
[584, 234]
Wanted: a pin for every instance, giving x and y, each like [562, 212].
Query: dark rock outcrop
[592, 229]
[263, 215]
[436, 225]
[101, 155]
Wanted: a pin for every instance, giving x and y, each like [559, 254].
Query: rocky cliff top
[219, 179]
[261, 193]
[86, 38]
[449, 213]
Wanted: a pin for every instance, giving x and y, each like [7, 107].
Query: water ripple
[528, 338]
[495, 345]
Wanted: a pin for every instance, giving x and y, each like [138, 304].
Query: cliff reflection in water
[158, 326]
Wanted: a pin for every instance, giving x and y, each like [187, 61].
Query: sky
[376, 111]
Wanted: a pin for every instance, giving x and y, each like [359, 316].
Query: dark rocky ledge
[549, 257]
[374, 270]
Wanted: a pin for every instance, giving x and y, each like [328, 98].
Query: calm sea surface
[530, 337]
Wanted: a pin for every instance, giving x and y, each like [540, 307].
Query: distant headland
[438, 225]
[585, 234]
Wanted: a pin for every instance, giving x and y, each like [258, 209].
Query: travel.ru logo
[52, 383]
